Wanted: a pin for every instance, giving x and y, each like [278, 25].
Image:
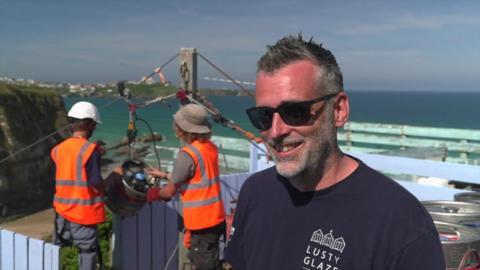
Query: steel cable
[48, 136]
[225, 74]
[33, 144]
[66, 126]
[215, 113]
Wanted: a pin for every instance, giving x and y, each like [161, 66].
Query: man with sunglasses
[319, 208]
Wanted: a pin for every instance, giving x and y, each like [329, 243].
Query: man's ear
[341, 109]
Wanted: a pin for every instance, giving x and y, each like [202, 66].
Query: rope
[33, 144]
[171, 257]
[160, 68]
[467, 257]
[134, 118]
[153, 140]
[215, 113]
[226, 75]
[157, 99]
[109, 103]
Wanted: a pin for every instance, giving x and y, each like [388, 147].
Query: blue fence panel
[229, 192]
[35, 254]
[231, 185]
[145, 228]
[158, 235]
[51, 257]
[7, 250]
[21, 251]
[117, 241]
[171, 235]
[148, 239]
[129, 258]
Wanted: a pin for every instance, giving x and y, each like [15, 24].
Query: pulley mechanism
[128, 196]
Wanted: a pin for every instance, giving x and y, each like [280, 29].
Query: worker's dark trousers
[84, 237]
[204, 252]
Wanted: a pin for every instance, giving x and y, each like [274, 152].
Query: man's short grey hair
[293, 48]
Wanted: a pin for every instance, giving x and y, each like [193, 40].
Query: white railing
[19, 252]
[429, 174]
[232, 154]
[447, 144]
[460, 145]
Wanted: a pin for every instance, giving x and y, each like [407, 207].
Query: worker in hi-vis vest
[79, 187]
[196, 177]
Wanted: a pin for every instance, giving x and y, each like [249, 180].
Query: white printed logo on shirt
[323, 251]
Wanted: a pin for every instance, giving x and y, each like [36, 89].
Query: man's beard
[311, 162]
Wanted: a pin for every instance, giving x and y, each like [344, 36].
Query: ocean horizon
[416, 108]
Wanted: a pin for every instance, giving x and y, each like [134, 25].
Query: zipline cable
[48, 136]
[225, 74]
[228, 123]
[66, 126]
[159, 68]
[33, 144]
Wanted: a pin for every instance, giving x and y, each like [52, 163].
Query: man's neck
[80, 134]
[335, 169]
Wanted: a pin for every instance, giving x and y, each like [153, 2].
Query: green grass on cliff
[8, 89]
[151, 90]
[28, 112]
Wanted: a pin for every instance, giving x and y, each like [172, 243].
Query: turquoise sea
[437, 109]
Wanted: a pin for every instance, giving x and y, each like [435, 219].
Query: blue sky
[380, 45]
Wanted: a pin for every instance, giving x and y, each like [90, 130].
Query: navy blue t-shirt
[366, 221]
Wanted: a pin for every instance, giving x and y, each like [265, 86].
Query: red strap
[181, 94]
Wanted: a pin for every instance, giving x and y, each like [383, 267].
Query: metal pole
[188, 81]
[188, 70]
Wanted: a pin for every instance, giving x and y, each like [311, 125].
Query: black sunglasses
[292, 113]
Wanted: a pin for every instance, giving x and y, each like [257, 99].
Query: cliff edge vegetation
[27, 114]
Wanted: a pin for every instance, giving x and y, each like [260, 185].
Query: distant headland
[110, 89]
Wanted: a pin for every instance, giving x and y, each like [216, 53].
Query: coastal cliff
[28, 114]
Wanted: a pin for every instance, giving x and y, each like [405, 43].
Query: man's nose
[279, 128]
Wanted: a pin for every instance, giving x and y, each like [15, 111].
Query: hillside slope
[26, 115]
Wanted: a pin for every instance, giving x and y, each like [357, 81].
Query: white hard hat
[83, 110]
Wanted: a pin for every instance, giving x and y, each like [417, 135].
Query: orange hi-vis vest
[74, 199]
[201, 196]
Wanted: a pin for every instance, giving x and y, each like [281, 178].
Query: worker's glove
[153, 194]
